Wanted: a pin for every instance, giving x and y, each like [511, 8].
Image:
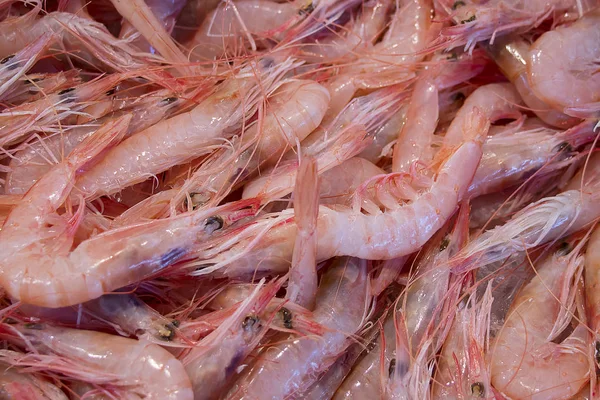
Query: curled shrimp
[568, 57]
[68, 277]
[526, 361]
[139, 369]
[185, 136]
[296, 363]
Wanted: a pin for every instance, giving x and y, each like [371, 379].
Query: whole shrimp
[32, 87]
[296, 363]
[185, 136]
[139, 369]
[34, 234]
[568, 56]
[399, 230]
[526, 360]
[512, 57]
[28, 165]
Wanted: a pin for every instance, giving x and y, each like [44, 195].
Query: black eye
[7, 59]
[445, 243]
[214, 223]
[65, 91]
[111, 92]
[168, 101]
[286, 316]
[458, 4]
[249, 322]
[478, 389]
[392, 367]
[470, 19]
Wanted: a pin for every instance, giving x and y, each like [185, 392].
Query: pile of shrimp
[299, 199]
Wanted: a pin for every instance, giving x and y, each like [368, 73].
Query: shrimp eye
[458, 4]
[7, 59]
[10, 321]
[197, 199]
[564, 146]
[453, 56]
[445, 243]
[249, 322]
[175, 323]
[564, 248]
[168, 101]
[392, 367]
[37, 327]
[214, 223]
[478, 389]
[470, 19]
[33, 80]
[166, 333]
[111, 92]
[65, 91]
[286, 315]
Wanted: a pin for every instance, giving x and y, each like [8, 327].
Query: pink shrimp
[463, 371]
[302, 286]
[137, 368]
[592, 282]
[34, 231]
[186, 136]
[512, 55]
[545, 220]
[32, 87]
[296, 363]
[479, 21]
[526, 362]
[568, 56]
[214, 361]
[35, 159]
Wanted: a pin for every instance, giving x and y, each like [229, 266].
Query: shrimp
[46, 113]
[89, 39]
[592, 276]
[415, 137]
[28, 165]
[462, 371]
[16, 384]
[214, 361]
[393, 233]
[511, 55]
[143, 17]
[545, 220]
[302, 286]
[526, 360]
[479, 21]
[509, 158]
[14, 67]
[186, 136]
[32, 87]
[138, 368]
[568, 56]
[35, 235]
[296, 363]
